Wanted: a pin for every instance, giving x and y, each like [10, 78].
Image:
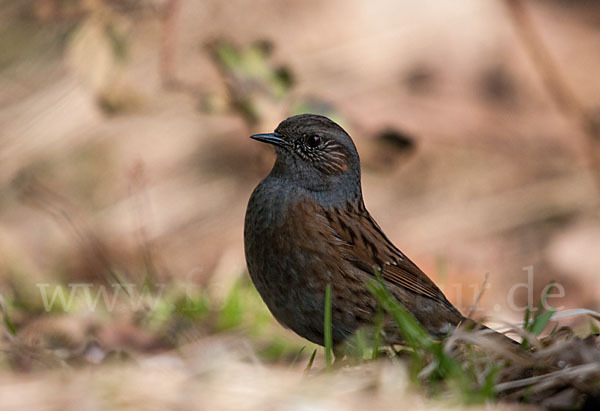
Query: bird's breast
[289, 257]
[281, 233]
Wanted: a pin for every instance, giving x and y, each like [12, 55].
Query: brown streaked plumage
[306, 226]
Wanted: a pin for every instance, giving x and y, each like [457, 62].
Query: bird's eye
[313, 141]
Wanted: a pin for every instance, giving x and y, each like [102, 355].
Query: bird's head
[315, 153]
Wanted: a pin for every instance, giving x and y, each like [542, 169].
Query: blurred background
[125, 162]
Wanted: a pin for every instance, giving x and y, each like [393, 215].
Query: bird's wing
[365, 246]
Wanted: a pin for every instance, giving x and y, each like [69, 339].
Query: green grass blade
[540, 321]
[417, 338]
[327, 327]
[378, 331]
[295, 360]
[9, 325]
[542, 316]
[310, 361]
[411, 331]
[527, 318]
[7, 322]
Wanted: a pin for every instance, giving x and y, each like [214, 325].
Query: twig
[567, 373]
[478, 296]
[574, 312]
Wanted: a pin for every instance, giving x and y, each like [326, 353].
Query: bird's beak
[271, 138]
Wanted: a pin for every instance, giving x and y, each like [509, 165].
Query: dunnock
[306, 226]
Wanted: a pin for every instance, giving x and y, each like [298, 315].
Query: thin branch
[479, 294]
[557, 376]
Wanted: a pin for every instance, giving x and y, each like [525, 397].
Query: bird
[306, 226]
